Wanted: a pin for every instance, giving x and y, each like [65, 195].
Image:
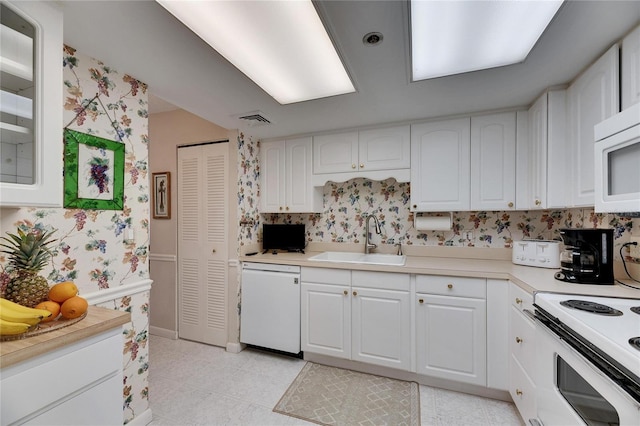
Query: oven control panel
[540, 253]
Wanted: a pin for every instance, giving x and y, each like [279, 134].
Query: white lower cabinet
[451, 328]
[435, 326]
[522, 352]
[381, 319]
[79, 384]
[326, 319]
[366, 320]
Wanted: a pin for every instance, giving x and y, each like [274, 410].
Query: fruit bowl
[44, 327]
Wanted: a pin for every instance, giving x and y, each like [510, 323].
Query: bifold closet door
[202, 243]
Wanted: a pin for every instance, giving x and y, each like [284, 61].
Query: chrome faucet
[368, 245]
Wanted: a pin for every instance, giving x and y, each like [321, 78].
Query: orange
[51, 306]
[62, 291]
[74, 307]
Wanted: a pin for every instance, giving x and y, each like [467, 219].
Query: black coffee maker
[587, 257]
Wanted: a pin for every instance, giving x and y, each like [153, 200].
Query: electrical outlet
[468, 235]
[634, 251]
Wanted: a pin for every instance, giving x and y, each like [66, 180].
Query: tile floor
[195, 384]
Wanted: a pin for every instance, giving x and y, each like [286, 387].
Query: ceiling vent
[254, 118]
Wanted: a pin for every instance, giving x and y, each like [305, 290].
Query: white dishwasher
[270, 310]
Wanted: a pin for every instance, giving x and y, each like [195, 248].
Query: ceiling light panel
[453, 37]
[281, 45]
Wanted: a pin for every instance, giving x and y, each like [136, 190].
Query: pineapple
[28, 254]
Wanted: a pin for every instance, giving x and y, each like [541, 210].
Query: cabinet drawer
[326, 276]
[522, 390]
[520, 298]
[382, 280]
[522, 340]
[77, 368]
[452, 286]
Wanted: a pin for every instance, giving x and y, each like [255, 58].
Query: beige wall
[168, 130]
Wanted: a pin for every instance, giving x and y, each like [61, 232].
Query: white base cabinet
[362, 316]
[326, 318]
[80, 384]
[381, 319]
[451, 328]
[522, 346]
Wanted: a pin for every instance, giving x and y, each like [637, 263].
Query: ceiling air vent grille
[255, 118]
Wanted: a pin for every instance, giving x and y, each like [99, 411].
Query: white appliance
[588, 360]
[617, 155]
[541, 253]
[270, 309]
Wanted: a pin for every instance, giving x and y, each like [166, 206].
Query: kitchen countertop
[531, 279]
[98, 320]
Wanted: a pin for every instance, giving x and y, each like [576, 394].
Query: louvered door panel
[202, 243]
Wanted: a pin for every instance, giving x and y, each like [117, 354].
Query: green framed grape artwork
[93, 172]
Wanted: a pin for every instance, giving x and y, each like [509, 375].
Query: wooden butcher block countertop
[98, 320]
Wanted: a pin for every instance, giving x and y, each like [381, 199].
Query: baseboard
[163, 332]
[235, 348]
[393, 373]
[141, 420]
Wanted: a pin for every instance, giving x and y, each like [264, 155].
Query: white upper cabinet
[336, 153]
[31, 104]
[285, 175]
[541, 164]
[591, 98]
[375, 154]
[384, 149]
[630, 69]
[493, 165]
[440, 165]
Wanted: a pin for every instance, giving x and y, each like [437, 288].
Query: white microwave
[617, 162]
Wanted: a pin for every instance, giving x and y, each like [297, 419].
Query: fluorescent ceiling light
[452, 37]
[281, 45]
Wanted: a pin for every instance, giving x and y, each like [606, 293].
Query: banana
[13, 312]
[8, 328]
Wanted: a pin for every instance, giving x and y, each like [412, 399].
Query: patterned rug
[333, 396]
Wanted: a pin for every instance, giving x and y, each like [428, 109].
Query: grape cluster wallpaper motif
[347, 204]
[91, 248]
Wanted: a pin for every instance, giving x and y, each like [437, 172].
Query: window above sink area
[351, 257]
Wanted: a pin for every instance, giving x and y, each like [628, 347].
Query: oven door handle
[531, 316]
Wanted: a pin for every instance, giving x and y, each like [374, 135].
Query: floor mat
[334, 396]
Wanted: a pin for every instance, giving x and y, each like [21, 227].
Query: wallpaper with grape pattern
[347, 204]
[90, 248]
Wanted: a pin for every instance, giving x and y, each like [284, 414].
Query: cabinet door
[592, 97]
[440, 165]
[493, 164]
[630, 69]
[451, 338]
[335, 153]
[381, 327]
[300, 195]
[326, 319]
[537, 165]
[384, 149]
[272, 176]
[32, 76]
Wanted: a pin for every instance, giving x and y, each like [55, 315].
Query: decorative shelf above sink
[351, 257]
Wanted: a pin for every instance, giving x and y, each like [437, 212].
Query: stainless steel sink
[351, 257]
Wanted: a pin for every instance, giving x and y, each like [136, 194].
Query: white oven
[617, 155]
[586, 374]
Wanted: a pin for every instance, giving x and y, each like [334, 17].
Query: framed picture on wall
[161, 194]
[93, 172]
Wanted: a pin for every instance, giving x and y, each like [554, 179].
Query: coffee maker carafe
[587, 257]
